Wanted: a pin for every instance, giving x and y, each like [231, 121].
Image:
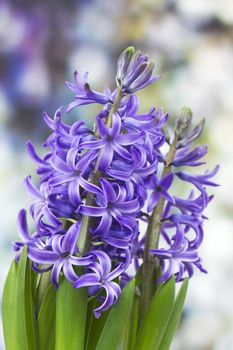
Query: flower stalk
[150, 262]
[83, 242]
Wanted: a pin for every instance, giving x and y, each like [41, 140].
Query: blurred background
[42, 42]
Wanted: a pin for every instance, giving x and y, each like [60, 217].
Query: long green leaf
[25, 330]
[9, 307]
[132, 324]
[96, 326]
[175, 317]
[156, 319]
[115, 325]
[71, 310]
[46, 320]
[131, 331]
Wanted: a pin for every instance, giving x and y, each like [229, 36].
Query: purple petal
[168, 197]
[86, 160]
[95, 144]
[102, 128]
[89, 279]
[70, 238]
[104, 225]
[42, 257]
[121, 151]
[73, 192]
[23, 226]
[108, 190]
[116, 272]
[104, 260]
[166, 181]
[69, 271]
[32, 189]
[61, 179]
[128, 139]
[59, 164]
[128, 207]
[105, 157]
[153, 200]
[116, 125]
[81, 261]
[71, 158]
[33, 154]
[91, 211]
[88, 186]
[110, 299]
[56, 272]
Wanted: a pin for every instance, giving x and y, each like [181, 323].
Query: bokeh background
[42, 42]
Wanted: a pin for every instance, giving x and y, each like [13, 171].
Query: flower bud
[134, 71]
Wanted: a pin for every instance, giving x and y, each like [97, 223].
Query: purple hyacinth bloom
[135, 171]
[179, 258]
[199, 180]
[44, 169]
[40, 208]
[193, 222]
[190, 158]
[27, 238]
[113, 204]
[102, 277]
[61, 256]
[111, 141]
[134, 71]
[84, 94]
[160, 188]
[72, 171]
[100, 181]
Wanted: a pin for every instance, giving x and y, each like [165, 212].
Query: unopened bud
[183, 123]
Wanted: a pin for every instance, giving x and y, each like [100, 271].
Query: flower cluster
[95, 187]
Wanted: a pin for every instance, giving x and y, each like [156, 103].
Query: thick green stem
[87, 221]
[150, 262]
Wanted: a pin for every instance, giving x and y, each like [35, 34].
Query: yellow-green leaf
[157, 317]
[71, 310]
[115, 325]
[9, 307]
[46, 320]
[175, 317]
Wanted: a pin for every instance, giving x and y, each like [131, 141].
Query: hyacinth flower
[110, 240]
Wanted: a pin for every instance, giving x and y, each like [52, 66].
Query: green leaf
[115, 325]
[175, 317]
[96, 326]
[157, 317]
[25, 329]
[42, 286]
[46, 320]
[71, 310]
[9, 307]
[132, 324]
[132, 327]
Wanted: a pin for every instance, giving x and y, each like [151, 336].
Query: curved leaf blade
[9, 307]
[25, 330]
[175, 317]
[114, 328]
[96, 327]
[46, 320]
[71, 310]
[157, 317]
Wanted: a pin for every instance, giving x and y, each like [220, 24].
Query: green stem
[87, 221]
[150, 262]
